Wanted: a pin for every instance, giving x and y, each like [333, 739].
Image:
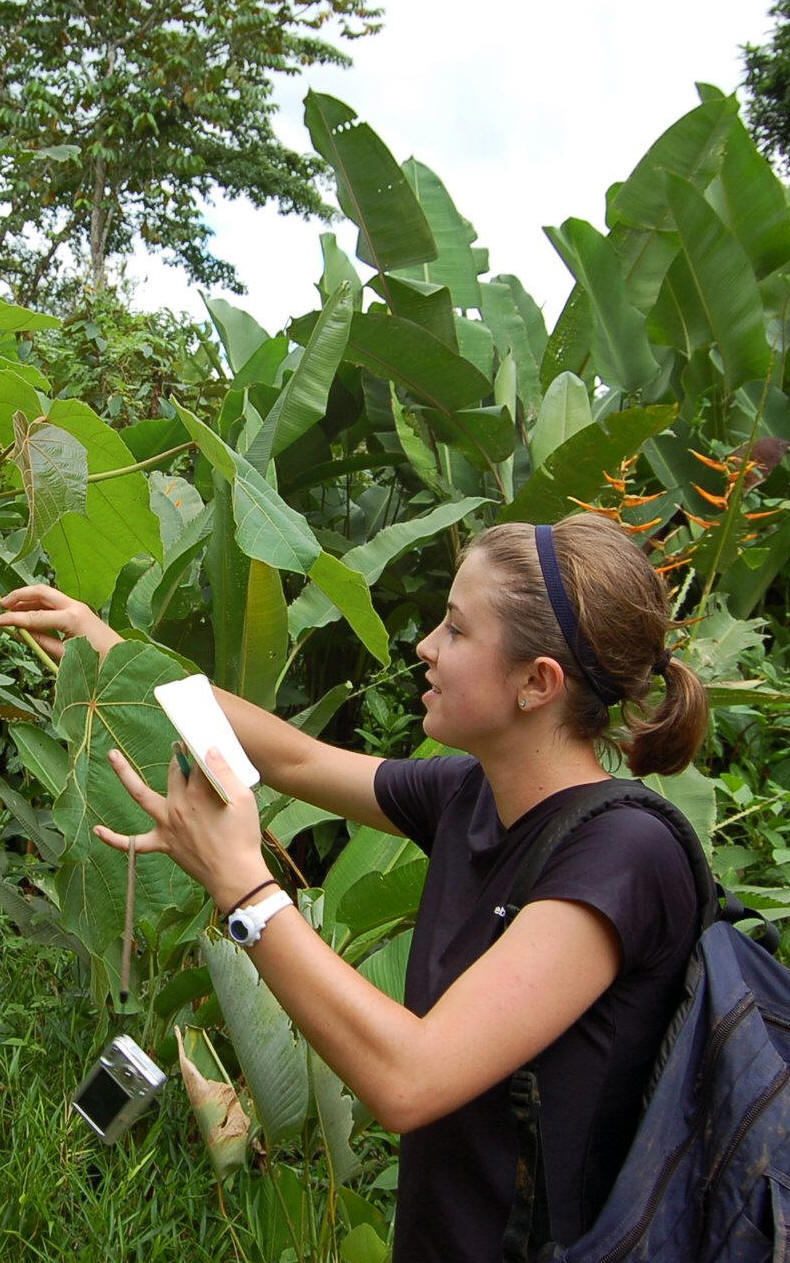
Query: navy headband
[599, 680]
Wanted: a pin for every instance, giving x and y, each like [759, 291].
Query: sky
[527, 112]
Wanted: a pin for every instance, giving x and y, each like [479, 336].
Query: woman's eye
[452, 629]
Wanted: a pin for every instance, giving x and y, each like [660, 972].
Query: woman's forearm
[293, 763]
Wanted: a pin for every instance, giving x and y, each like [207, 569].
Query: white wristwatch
[245, 925]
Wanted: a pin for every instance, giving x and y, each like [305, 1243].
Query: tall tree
[768, 85]
[118, 116]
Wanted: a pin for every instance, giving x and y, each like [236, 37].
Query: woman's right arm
[288, 760]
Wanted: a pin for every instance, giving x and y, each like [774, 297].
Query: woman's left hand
[216, 843]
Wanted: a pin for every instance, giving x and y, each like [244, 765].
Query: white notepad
[198, 718]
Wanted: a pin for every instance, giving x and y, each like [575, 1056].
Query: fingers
[151, 802]
[144, 843]
[36, 596]
[234, 788]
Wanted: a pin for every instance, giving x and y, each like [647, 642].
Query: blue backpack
[707, 1177]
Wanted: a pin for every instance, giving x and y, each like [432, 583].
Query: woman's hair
[622, 609]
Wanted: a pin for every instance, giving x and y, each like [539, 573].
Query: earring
[522, 701]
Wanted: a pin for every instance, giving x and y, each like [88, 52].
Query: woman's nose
[425, 648]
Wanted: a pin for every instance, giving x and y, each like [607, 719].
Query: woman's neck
[523, 777]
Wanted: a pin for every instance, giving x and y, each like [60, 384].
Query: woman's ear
[542, 680]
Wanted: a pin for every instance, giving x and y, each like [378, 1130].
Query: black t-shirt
[457, 1174]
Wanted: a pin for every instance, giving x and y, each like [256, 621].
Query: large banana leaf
[455, 265]
[268, 530]
[371, 188]
[530, 313]
[576, 467]
[386, 968]
[369, 850]
[510, 335]
[693, 147]
[273, 1056]
[565, 410]
[476, 344]
[312, 609]
[100, 705]
[399, 350]
[89, 551]
[264, 640]
[723, 283]
[421, 302]
[239, 332]
[620, 348]
[485, 435]
[333, 1105]
[260, 368]
[302, 401]
[752, 202]
[54, 469]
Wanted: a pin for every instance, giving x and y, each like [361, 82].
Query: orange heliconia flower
[707, 460]
[718, 502]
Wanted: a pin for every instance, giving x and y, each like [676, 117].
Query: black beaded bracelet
[241, 902]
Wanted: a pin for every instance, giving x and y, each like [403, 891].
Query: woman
[545, 628]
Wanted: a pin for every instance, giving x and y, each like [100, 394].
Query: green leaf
[454, 265]
[312, 609]
[694, 794]
[263, 644]
[54, 469]
[485, 436]
[723, 284]
[99, 705]
[335, 1120]
[88, 552]
[16, 395]
[346, 588]
[368, 850]
[716, 652]
[510, 334]
[371, 188]
[266, 527]
[565, 410]
[272, 1056]
[303, 400]
[380, 898]
[400, 351]
[576, 467]
[43, 756]
[386, 968]
[620, 347]
[476, 344]
[420, 302]
[363, 1245]
[48, 843]
[751, 200]
[260, 368]
[240, 333]
[14, 319]
[338, 268]
[693, 147]
[745, 588]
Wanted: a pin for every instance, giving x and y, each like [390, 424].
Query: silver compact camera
[118, 1088]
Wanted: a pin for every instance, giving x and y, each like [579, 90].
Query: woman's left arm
[548, 968]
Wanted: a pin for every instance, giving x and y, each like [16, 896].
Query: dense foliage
[118, 119]
[332, 474]
[767, 82]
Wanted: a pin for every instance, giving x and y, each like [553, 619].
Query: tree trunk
[98, 227]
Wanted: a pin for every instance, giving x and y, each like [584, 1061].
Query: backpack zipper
[718, 1039]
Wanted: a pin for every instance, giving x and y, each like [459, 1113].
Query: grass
[150, 1198]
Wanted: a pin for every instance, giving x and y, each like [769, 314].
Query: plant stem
[142, 464]
[20, 634]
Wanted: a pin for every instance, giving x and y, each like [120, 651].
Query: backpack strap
[586, 802]
[528, 1226]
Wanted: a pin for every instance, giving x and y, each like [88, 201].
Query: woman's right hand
[42, 611]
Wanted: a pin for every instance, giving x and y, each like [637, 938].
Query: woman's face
[473, 693]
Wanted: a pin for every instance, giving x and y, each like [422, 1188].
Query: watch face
[239, 929]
